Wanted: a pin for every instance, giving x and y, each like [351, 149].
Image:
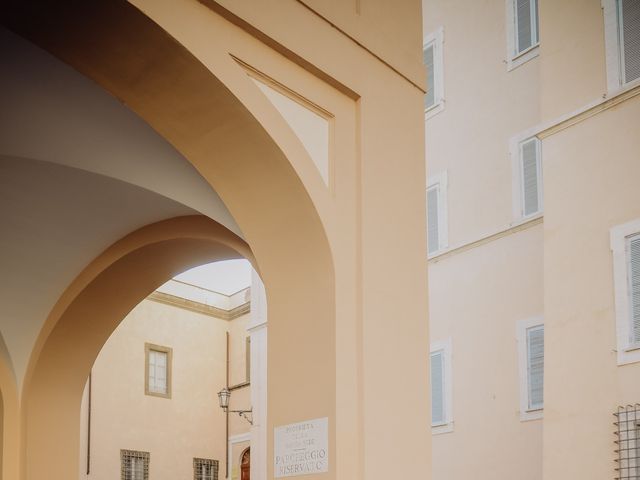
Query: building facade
[532, 150]
[150, 408]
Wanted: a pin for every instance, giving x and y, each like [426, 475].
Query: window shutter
[437, 388]
[535, 367]
[633, 256]
[430, 96]
[630, 31]
[433, 235]
[524, 38]
[530, 181]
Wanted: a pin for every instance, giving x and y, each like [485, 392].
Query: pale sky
[225, 277]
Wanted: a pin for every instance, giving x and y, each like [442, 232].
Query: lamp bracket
[246, 414]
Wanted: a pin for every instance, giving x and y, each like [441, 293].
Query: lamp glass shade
[223, 397]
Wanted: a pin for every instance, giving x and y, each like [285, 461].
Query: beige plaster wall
[591, 171]
[477, 295]
[485, 105]
[174, 430]
[573, 69]
[476, 300]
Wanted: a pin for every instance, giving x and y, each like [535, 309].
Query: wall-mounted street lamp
[223, 398]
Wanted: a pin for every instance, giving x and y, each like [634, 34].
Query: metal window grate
[134, 465]
[628, 442]
[205, 469]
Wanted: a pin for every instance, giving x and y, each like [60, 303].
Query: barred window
[628, 442]
[134, 465]
[205, 469]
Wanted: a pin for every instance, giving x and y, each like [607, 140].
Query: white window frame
[613, 51]
[526, 413]
[515, 144]
[444, 346]
[515, 59]
[436, 39]
[440, 181]
[627, 352]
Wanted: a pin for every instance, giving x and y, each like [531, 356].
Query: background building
[532, 134]
[151, 409]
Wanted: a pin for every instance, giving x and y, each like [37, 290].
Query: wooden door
[245, 464]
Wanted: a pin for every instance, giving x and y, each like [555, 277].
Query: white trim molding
[522, 327]
[515, 153]
[515, 58]
[440, 182]
[444, 346]
[258, 329]
[627, 350]
[436, 39]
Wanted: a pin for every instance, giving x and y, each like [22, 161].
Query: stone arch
[86, 315]
[213, 115]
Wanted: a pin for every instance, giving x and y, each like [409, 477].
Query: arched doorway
[245, 464]
[233, 151]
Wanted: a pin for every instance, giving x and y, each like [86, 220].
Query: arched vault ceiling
[78, 171]
[55, 220]
[51, 112]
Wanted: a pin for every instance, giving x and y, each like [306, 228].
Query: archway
[221, 136]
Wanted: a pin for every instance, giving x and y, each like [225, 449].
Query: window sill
[622, 88]
[434, 110]
[527, 218]
[524, 57]
[443, 428]
[628, 355]
[437, 252]
[530, 415]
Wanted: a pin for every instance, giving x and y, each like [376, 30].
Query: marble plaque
[301, 448]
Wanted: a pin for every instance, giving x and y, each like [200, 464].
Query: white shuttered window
[625, 247]
[432, 54]
[629, 31]
[530, 335]
[437, 225]
[622, 42]
[526, 24]
[437, 389]
[429, 97]
[441, 387]
[530, 177]
[535, 367]
[433, 237]
[633, 275]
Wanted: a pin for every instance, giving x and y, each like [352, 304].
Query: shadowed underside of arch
[214, 125]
